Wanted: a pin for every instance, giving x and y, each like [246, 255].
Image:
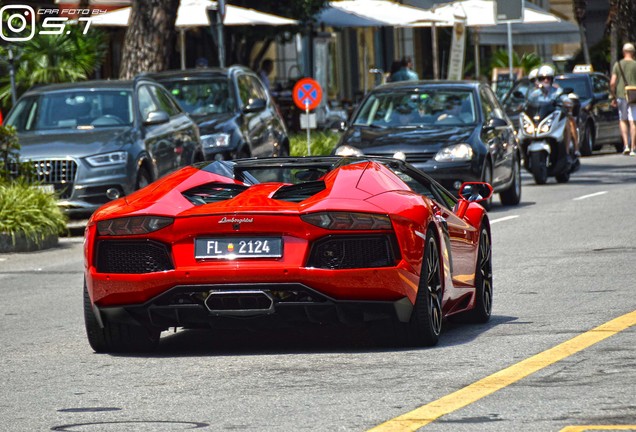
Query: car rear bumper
[257, 305]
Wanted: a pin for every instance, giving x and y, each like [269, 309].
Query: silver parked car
[95, 141]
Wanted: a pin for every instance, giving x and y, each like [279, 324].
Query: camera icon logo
[20, 18]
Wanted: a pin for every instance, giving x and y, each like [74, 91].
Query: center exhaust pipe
[240, 303]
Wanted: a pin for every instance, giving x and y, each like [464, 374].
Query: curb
[24, 244]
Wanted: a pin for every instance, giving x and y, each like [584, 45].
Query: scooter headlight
[526, 124]
[546, 124]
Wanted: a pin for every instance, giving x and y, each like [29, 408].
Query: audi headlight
[347, 150]
[526, 124]
[106, 159]
[455, 153]
[215, 140]
[132, 225]
[546, 124]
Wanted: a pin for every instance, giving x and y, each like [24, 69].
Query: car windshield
[201, 97]
[416, 108]
[72, 109]
[577, 84]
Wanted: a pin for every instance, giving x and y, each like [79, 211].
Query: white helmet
[545, 71]
[532, 76]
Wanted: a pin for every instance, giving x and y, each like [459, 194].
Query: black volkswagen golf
[454, 131]
[235, 113]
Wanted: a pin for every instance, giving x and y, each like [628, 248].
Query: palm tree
[621, 24]
[149, 37]
[580, 10]
[45, 59]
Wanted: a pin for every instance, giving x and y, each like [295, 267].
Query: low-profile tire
[539, 167]
[425, 325]
[512, 195]
[115, 337]
[143, 178]
[487, 178]
[482, 310]
[587, 144]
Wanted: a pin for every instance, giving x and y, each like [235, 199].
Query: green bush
[27, 209]
[321, 142]
[24, 208]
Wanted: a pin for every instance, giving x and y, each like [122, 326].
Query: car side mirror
[255, 105]
[156, 117]
[471, 192]
[495, 123]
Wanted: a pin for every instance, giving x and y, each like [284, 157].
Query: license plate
[238, 247]
[46, 188]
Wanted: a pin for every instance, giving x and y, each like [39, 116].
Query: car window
[249, 89]
[164, 101]
[518, 94]
[494, 103]
[419, 107]
[203, 96]
[146, 103]
[600, 83]
[486, 106]
[579, 85]
[73, 109]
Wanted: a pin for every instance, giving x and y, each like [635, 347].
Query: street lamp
[216, 14]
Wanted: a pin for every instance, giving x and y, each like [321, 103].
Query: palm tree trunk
[150, 37]
[580, 10]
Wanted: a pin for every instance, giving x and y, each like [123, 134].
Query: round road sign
[307, 94]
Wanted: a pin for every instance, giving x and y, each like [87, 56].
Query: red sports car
[258, 242]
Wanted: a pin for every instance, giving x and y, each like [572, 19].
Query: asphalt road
[563, 265]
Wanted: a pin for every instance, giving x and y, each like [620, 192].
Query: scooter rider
[547, 91]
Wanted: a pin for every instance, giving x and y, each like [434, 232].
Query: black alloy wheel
[425, 324]
[482, 310]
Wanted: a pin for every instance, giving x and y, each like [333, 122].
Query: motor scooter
[545, 138]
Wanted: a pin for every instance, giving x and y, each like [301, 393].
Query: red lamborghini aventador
[254, 242]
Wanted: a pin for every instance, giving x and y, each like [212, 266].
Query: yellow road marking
[597, 427]
[426, 414]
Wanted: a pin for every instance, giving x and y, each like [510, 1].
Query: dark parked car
[236, 114]
[454, 131]
[597, 118]
[95, 141]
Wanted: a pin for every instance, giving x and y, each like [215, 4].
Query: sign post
[307, 95]
[509, 11]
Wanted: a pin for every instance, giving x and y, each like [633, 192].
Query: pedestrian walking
[624, 74]
[267, 66]
[406, 72]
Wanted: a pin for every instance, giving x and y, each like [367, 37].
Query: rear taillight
[348, 221]
[132, 225]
